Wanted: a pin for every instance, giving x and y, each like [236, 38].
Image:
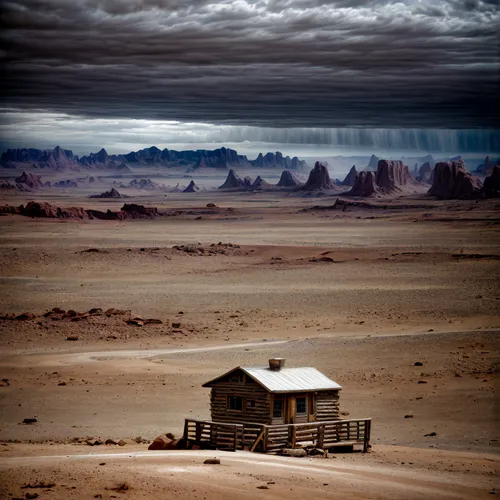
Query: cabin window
[235, 403]
[250, 403]
[301, 405]
[278, 408]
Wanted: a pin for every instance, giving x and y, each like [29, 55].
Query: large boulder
[233, 181]
[453, 181]
[192, 188]
[31, 180]
[164, 442]
[491, 187]
[364, 185]
[392, 175]
[350, 178]
[425, 173]
[287, 179]
[319, 178]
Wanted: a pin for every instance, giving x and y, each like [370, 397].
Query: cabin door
[299, 409]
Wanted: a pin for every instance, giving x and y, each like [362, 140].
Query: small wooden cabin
[274, 395]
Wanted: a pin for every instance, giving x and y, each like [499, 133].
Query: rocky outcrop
[350, 178]
[260, 184]
[142, 184]
[273, 160]
[221, 158]
[425, 173]
[319, 178]
[373, 163]
[392, 175]
[491, 187]
[233, 181]
[113, 193]
[68, 183]
[453, 181]
[9, 186]
[287, 179]
[46, 210]
[30, 180]
[49, 211]
[364, 185]
[192, 188]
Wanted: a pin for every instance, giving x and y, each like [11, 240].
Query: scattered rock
[294, 452]
[72, 337]
[31, 496]
[418, 363]
[211, 205]
[264, 487]
[176, 325]
[212, 461]
[408, 416]
[38, 485]
[431, 434]
[62, 383]
[121, 442]
[110, 442]
[25, 316]
[29, 421]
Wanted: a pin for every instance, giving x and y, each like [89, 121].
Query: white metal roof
[291, 379]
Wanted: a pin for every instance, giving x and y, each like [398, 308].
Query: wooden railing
[273, 438]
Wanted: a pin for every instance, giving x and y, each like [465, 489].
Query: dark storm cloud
[280, 63]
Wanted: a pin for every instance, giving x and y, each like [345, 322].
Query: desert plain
[362, 294]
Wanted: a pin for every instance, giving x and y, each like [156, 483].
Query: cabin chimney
[276, 364]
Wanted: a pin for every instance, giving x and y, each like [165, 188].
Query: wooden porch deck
[273, 438]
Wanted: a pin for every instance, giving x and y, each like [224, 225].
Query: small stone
[72, 337]
[29, 421]
[121, 442]
[418, 363]
[62, 383]
[212, 461]
[263, 487]
[408, 416]
[431, 434]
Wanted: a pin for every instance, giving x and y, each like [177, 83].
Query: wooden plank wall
[248, 389]
[327, 405]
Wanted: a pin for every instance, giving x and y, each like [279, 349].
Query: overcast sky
[345, 74]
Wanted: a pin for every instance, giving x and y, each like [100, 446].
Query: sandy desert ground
[362, 295]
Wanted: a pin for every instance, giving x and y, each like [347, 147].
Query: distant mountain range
[223, 158]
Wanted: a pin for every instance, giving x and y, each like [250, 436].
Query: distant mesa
[488, 166]
[373, 163]
[365, 184]
[319, 178]
[261, 185]
[453, 181]
[143, 184]
[273, 160]
[350, 178]
[68, 183]
[221, 158]
[391, 177]
[288, 180]
[9, 186]
[425, 173]
[31, 180]
[233, 181]
[192, 188]
[113, 193]
[491, 187]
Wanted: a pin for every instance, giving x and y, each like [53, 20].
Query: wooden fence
[273, 438]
